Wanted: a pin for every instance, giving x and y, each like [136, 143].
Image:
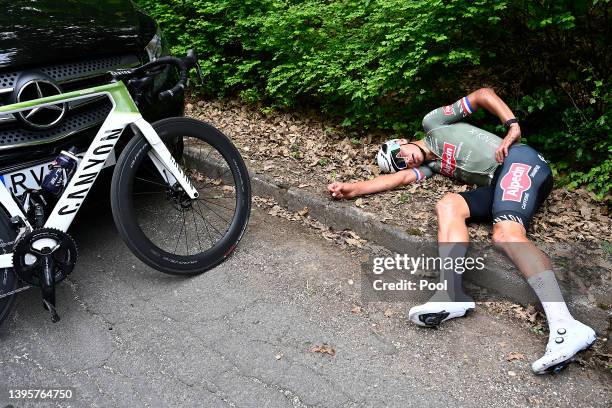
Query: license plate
[32, 177]
[28, 178]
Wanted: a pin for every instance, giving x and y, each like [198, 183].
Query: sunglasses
[394, 147]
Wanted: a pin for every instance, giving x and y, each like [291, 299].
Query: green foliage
[385, 63]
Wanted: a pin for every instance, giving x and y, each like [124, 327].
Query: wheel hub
[180, 200]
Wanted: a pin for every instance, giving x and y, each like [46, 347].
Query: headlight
[154, 47]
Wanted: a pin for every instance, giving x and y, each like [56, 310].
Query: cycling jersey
[462, 151]
[512, 191]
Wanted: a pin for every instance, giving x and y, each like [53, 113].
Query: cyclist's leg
[525, 181]
[453, 210]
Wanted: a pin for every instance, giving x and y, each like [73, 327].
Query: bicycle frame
[124, 113]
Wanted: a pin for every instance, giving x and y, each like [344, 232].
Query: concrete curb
[500, 278]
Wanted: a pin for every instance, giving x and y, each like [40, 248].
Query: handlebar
[183, 66]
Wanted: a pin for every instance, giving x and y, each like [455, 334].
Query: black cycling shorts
[519, 187]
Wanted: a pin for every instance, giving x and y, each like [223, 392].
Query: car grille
[84, 118]
[83, 114]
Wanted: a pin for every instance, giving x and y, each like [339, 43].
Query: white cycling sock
[547, 289]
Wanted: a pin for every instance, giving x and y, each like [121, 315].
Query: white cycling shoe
[432, 314]
[565, 340]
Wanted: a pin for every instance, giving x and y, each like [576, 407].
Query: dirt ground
[303, 150]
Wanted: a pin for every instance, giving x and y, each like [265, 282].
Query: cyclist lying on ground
[513, 181]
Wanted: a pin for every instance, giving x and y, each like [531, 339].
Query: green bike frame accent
[123, 102]
[124, 113]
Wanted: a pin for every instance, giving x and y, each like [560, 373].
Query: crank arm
[48, 286]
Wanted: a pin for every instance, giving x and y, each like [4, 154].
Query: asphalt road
[242, 335]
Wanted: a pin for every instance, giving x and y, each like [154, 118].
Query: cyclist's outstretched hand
[341, 190]
[513, 136]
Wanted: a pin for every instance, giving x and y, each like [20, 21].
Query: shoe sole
[434, 319]
[562, 365]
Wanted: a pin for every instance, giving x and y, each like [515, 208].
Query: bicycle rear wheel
[164, 227]
[8, 280]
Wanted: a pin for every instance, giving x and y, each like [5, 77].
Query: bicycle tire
[129, 170]
[8, 280]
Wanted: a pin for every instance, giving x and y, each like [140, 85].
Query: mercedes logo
[41, 117]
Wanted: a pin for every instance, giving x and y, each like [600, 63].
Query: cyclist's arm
[483, 98]
[487, 98]
[381, 183]
[445, 115]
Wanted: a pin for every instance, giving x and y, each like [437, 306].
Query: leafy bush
[382, 64]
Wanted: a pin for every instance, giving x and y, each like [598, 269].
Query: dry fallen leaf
[330, 236]
[585, 211]
[316, 151]
[324, 349]
[275, 210]
[531, 313]
[197, 175]
[356, 309]
[515, 356]
[353, 242]
[352, 234]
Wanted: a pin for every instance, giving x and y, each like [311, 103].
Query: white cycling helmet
[387, 159]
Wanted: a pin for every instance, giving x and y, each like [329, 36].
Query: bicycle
[178, 164]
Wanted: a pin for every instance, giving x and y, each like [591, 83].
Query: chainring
[27, 261]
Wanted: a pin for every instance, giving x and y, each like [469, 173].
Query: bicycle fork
[163, 160]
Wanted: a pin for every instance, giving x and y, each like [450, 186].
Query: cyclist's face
[411, 154]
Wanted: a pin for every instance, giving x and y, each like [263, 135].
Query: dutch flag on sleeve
[465, 104]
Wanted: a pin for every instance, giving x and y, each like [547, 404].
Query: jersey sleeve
[446, 115]
[422, 172]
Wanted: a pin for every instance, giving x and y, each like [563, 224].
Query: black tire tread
[122, 170]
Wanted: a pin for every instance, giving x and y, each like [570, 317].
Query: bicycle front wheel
[160, 224]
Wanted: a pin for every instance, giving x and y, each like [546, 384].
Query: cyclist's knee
[452, 205]
[508, 231]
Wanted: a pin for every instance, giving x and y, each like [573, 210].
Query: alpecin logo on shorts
[515, 182]
[449, 110]
[449, 162]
